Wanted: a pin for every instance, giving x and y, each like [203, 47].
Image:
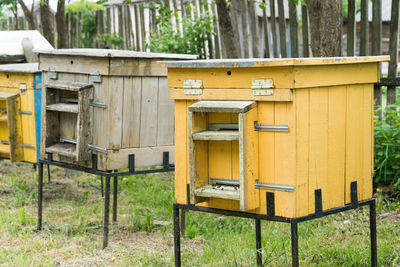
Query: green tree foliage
[88, 10]
[387, 146]
[195, 32]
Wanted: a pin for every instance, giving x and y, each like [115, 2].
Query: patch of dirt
[393, 216]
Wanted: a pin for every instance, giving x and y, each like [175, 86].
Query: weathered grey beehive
[108, 102]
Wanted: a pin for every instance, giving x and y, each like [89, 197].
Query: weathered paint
[28, 115]
[329, 143]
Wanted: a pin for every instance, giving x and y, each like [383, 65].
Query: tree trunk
[28, 15]
[60, 23]
[324, 17]
[45, 20]
[229, 40]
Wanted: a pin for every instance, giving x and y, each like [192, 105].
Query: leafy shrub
[194, 31]
[387, 146]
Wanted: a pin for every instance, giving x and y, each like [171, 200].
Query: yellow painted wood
[329, 111]
[248, 160]
[302, 100]
[285, 155]
[10, 82]
[266, 152]
[181, 176]
[239, 78]
[336, 146]
[233, 94]
[354, 140]
[315, 76]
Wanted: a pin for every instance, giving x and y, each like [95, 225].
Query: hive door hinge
[192, 87]
[52, 73]
[95, 76]
[262, 87]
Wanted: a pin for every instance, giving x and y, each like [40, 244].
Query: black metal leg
[106, 212]
[183, 223]
[177, 238]
[295, 244]
[48, 173]
[372, 226]
[40, 196]
[102, 186]
[115, 198]
[258, 242]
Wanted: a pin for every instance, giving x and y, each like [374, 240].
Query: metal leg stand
[295, 244]
[102, 185]
[372, 226]
[48, 173]
[40, 196]
[258, 242]
[115, 197]
[106, 212]
[183, 223]
[177, 238]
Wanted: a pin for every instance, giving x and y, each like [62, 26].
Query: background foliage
[195, 32]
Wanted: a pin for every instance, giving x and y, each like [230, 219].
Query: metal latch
[22, 88]
[262, 87]
[192, 87]
[95, 76]
[52, 73]
[271, 128]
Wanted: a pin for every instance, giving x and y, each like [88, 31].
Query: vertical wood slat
[254, 30]
[234, 16]
[79, 29]
[245, 27]
[149, 116]
[393, 48]
[142, 27]
[131, 112]
[364, 40]
[67, 25]
[266, 36]
[130, 30]
[351, 29]
[108, 11]
[165, 119]
[293, 30]
[376, 27]
[210, 42]
[304, 18]
[137, 34]
[217, 35]
[100, 24]
[273, 28]
[282, 29]
[121, 25]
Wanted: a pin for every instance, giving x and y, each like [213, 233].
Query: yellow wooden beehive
[288, 126]
[20, 98]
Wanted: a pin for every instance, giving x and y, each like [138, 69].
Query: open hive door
[201, 132]
[65, 120]
[10, 127]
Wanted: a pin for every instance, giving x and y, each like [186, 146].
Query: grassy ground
[72, 229]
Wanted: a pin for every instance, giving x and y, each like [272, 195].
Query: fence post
[282, 28]
[293, 30]
[351, 29]
[266, 37]
[376, 27]
[245, 28]
[304, 17]
[393, 48]
[254, 29]
[364, 40]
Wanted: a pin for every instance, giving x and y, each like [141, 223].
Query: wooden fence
[276, 34]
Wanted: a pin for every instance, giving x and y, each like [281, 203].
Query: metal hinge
[52, 73]
[91, 147]
[22, 88]
[275, 187]
[192, 87]
[95, 76]
[271, 128]
[262, 87]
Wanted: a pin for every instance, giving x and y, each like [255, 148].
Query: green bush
[168, 40]
[387, 146]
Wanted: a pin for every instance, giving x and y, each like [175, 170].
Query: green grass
[73, 217]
